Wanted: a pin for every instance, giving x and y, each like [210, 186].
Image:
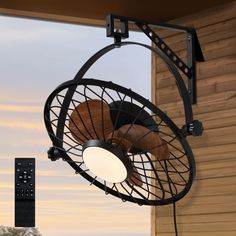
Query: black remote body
[24, 192]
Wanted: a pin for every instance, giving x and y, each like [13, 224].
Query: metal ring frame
[57, 138]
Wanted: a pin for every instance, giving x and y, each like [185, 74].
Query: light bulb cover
[106, 161]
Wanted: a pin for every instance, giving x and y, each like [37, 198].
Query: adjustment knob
[54, 154]
[195, 128]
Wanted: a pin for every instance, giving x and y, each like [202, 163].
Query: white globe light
[105, 164]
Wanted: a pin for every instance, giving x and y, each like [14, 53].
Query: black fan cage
[164, 181]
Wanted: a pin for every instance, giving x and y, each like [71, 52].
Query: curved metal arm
[180, 84]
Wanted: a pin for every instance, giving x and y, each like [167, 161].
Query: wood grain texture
[141, 138]
[209, 208]
[90, 120]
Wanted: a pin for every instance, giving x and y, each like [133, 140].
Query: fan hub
[106, 161]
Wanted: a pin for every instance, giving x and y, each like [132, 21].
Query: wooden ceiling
[94, 11]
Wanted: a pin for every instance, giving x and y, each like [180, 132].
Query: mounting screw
[54, 154]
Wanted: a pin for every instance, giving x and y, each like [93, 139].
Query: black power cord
[174, 205]
[175, 220]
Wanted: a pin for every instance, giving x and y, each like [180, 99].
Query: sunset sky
[35, 57]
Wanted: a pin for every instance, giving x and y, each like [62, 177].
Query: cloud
[20, 108]
[15, 124]
[24, 143]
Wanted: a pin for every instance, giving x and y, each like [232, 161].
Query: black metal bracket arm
[118, 28]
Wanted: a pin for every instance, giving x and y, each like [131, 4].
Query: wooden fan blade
[136, 178]
[90, 120]
[140, 137]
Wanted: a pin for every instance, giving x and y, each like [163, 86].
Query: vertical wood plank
[209, 209]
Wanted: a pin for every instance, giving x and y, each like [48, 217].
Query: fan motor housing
[123, 112]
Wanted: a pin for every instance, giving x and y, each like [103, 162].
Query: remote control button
[18, 170]
[24, 177]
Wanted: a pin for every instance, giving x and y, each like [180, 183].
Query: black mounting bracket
[118, 28]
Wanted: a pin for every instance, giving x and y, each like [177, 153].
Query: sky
[35, 57]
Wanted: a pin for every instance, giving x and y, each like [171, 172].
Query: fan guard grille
[164, 181]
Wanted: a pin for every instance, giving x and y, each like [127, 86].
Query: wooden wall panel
[210, 207]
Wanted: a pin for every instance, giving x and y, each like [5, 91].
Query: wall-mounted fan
[118, 140]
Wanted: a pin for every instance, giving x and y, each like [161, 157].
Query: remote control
[24, 192]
